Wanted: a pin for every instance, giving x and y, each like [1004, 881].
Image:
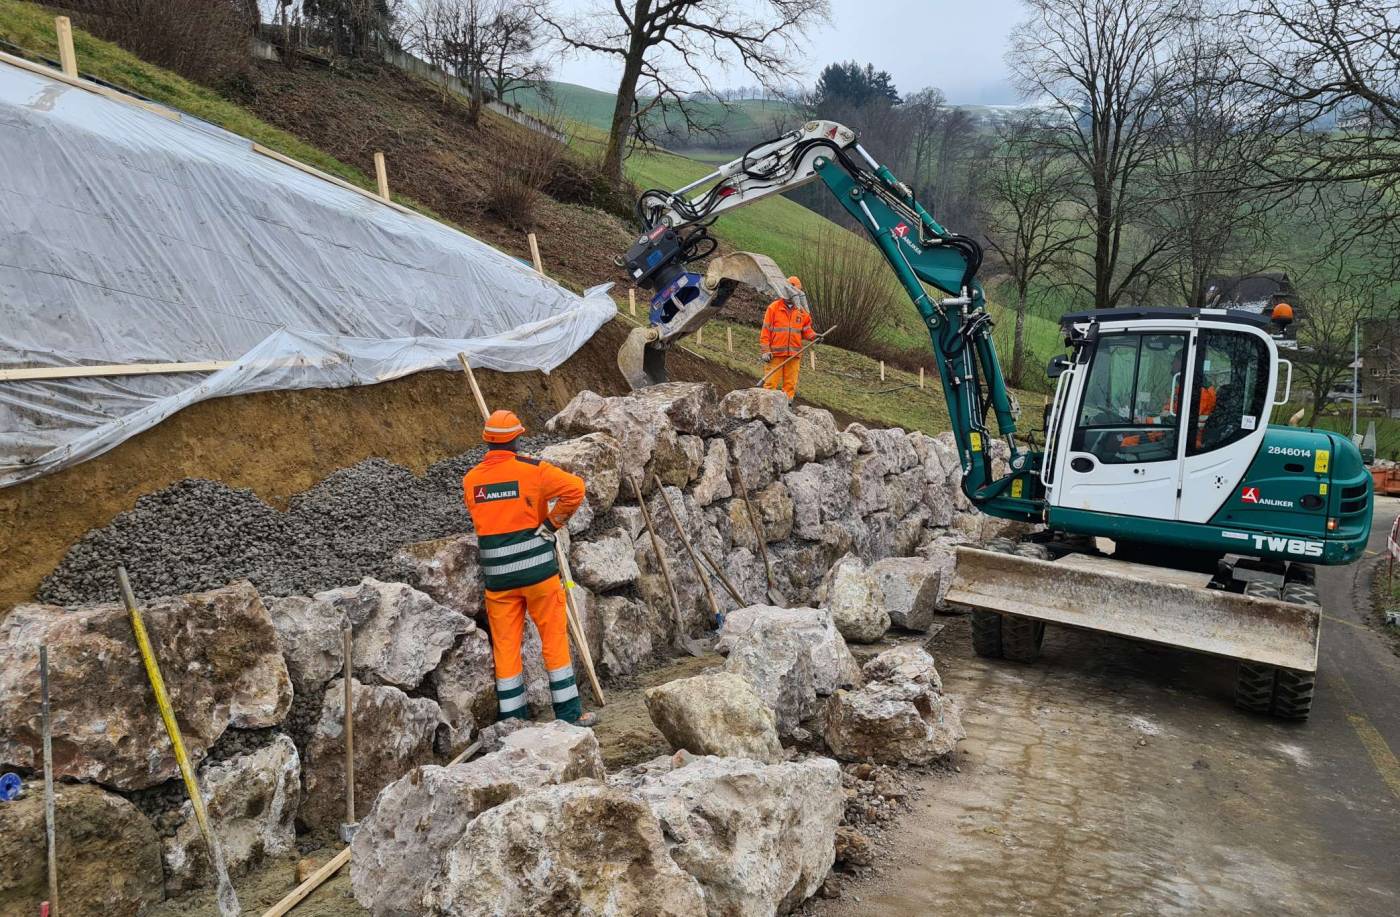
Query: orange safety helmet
[501, 427]
[795, 282]
[1282, 314]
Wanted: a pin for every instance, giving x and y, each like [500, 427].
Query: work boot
[586, 720]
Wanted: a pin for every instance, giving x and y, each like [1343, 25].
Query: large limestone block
[448, 570]
[775, 510]
[691, 407]
[400, 849]
[634, 423]
[718, 714]
[833, 666]
[400, 633]
[108, 854]
[629, 629]
[713, 483]
[891, 444]
[906, 664]
[849, 593]
[219, 655]
[907, 588]
[759, 838]
[765, 404]
[941, 553]
[803, 487]
[778, 665]
[597, 458]
[394, 733]
[308, 633]
[252, 802]
[465, 682]
[605, 561]
[869, 492]
[751, 449]
[900, 717]
[824, 430]
[578, 850]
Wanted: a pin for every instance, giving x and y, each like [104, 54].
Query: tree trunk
[1018, 340]
[621, 129]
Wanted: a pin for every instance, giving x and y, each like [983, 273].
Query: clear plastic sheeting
[126, 238]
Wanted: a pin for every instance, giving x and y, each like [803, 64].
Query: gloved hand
[546, 531]
[767, 356]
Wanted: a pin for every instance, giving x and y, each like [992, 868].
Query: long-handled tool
[570, 609]
[227, 897]
[774, 595]
[49, 818]
[728, 586]
[690, 550]
[683, 640]
[347, 650]
[798, 355]
[576, 622]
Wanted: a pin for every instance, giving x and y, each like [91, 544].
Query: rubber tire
[986, 634]
[1021, 638]
[1273, 691]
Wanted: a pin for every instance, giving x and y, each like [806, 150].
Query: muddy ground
[1117, 777]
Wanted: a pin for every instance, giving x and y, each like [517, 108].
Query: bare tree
[1102, 67]
[511, 52]
[1028, 218]
[662, 44]
[485, 43]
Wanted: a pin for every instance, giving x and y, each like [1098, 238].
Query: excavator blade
[1159, 605]
[638, 362]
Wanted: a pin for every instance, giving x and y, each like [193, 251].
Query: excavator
[1162, 505]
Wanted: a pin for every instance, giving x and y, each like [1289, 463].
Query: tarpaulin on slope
[126, 237]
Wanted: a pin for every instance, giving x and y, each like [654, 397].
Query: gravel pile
[196, 534]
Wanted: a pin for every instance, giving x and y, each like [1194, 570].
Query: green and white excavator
[1172, 510]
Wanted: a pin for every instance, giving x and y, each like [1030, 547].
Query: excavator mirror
[1057, 366]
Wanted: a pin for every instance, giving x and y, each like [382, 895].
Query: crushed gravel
[197, 534]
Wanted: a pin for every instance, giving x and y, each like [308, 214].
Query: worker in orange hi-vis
[509, 497]
[785, 326]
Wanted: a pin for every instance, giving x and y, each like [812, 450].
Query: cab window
[1129, 412]
[1228, 399]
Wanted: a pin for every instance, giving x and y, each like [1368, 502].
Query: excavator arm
[921, 253]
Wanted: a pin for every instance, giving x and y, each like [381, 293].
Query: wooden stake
[535, 253]
[347, 656]
[381, 175]
[921, 377]
[700, 337]
[313, 882]
[882, 370]
[729, 338]
[719, 571]
[476, 390]
[632, 301]
[690, 550]
[67, 58]
[665, 570]
[575, 622]
[49, 818]
[813, 355]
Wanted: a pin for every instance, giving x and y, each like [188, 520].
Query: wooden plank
[67, 57]
[111, 369]
[535, 253]
[313, 882]
[381, 175]
[95, 88]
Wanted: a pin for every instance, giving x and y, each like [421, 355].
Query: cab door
[1122, 455]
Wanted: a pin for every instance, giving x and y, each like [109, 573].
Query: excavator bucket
[1169, 607]
[642, 357]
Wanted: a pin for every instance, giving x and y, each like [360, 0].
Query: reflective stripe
[560, 674]
[515, 566]
[510, 549]
[512, 703]
[568, 693]
[515, 681]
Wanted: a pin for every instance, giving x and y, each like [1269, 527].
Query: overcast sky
[959, 47]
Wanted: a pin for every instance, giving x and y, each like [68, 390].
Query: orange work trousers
[506, 610]
[785, 378]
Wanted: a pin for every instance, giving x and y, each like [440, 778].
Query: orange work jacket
[508, 497]
[785, 327]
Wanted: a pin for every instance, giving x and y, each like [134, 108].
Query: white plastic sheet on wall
[126, 237]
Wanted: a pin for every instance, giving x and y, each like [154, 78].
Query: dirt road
[1114, 777]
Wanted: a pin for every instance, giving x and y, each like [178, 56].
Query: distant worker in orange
[509, 497]
[785, 326]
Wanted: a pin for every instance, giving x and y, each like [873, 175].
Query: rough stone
[833, 666]
[891, 444]
[605, 561]
[448, 570]
[869, 492]
[582, 849]
[822, 431]
[634, 422]
[892, 723]
[691, 407]
[400, 849]
[108, 853]
[465, 682]
[717, 714]
[759, 838]
[907, 588]
[219, 656]
[765, 404]
[906, 664]
[775, 509]
[803, 488]
[400, 633]
[849, 593]
[597, 458]
[751, 448]
[308, 633]
[252, 802]
[777, 663]
[628, 632]
[394, 733]
[713, 483]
